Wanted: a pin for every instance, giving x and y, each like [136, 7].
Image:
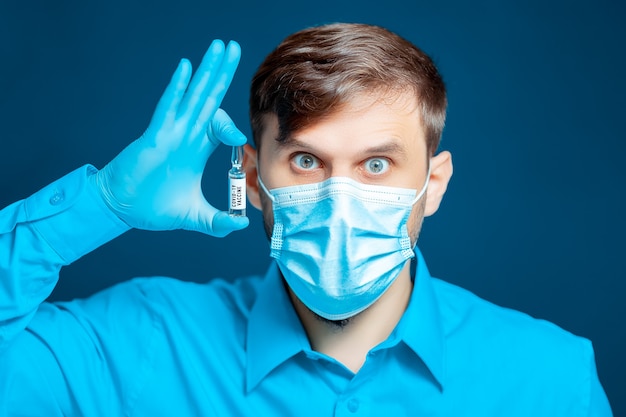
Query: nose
[340, 168]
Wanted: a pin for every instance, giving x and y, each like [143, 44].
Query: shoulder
[510, 343]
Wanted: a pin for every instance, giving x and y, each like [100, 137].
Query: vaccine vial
[237, 184]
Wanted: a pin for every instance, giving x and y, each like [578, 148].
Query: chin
[335, 324]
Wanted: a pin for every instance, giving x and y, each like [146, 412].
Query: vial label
[237, 198]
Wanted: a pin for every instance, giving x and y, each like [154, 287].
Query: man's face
[373, 140]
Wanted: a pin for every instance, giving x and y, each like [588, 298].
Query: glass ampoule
[237, 184]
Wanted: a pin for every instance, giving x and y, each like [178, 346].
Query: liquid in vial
[237, 184]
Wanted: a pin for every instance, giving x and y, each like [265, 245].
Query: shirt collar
[272, 319]
[421, 326]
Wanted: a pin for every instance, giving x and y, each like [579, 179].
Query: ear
[440, 174]
[251, 168]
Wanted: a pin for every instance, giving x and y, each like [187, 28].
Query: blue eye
[306, 161]
[376, 165]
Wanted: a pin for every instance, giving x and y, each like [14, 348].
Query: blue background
[533, 218]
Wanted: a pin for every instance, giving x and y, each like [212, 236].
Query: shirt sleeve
[38, 235]
[86, 357]
[598, 402]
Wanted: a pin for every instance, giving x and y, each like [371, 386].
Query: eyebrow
[291, 142]
[390, 147]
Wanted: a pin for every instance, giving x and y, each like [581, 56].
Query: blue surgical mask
[340, 243]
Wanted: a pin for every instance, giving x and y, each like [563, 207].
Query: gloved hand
[154, 184]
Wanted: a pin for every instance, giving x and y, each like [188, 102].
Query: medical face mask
[340, 243]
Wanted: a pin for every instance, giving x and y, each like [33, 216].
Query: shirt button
[57, 197]
[353, 405]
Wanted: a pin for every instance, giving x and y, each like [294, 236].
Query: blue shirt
[162, 347]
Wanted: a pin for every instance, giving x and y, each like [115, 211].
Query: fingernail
[217, 46]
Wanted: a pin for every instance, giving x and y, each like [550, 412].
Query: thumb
[223, 224]
[213, 222]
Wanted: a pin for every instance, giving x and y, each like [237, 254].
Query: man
[346, 121]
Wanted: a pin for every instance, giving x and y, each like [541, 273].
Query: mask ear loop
[415, 200]
[424, 188]
[265, 190]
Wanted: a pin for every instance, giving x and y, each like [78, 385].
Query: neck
[351, 342]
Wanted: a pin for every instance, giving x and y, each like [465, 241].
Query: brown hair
[313, 72]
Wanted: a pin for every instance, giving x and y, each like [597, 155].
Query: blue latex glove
[154, 184]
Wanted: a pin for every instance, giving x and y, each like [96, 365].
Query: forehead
[365, 117]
